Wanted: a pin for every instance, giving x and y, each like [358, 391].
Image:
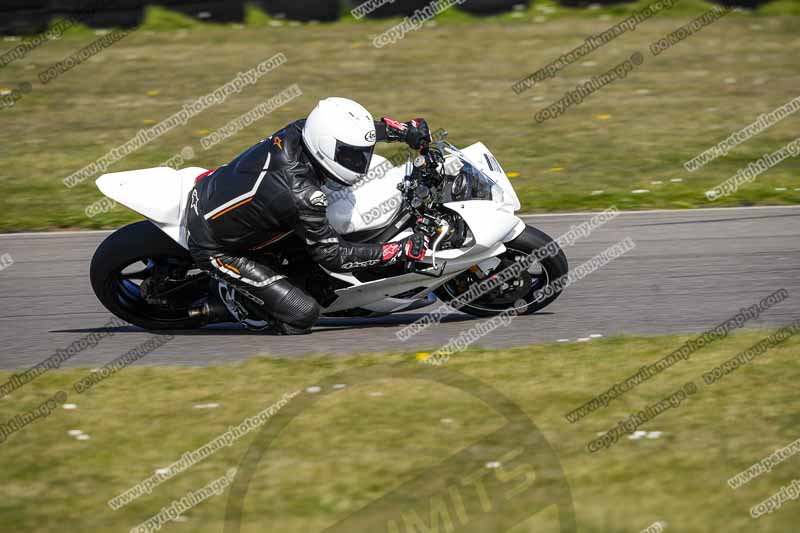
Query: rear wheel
[144, 277]
[520, 293]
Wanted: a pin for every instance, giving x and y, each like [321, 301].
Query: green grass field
[371, 436]
[633, 134]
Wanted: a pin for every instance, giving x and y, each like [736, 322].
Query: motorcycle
[461, 199]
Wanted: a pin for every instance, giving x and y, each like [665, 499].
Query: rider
[273, 189]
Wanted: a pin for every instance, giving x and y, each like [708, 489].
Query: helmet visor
[355, 158]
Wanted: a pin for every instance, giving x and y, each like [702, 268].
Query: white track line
[538, 215]
[656, 211]
[56, 233]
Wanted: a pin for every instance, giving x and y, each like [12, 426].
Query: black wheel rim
[517, 294]
[127, 286]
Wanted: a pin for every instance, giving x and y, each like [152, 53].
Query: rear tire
[125, 247]
[552, 267]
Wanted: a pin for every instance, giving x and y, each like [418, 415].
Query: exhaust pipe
[210, 314]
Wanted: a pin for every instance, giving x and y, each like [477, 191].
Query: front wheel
[521, 293]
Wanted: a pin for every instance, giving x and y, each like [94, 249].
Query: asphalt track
[690, 271]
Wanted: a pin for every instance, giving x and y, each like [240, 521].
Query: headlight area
[497, 194]
[469, 183]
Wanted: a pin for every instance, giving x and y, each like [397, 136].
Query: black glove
[418, 133]
[414, 132]
[412, 248]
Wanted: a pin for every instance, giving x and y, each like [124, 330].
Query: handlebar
[435, 272]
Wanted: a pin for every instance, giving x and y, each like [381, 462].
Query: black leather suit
[265, 194]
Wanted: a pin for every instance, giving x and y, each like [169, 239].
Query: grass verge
[624, 145]
[368, 438]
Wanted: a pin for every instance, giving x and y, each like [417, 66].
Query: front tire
[114, 283]
[523, 289]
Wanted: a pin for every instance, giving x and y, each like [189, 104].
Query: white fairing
[162, 195]
[373, 203]
[369, 204]
[481, 157]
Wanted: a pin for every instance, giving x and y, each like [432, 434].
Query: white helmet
[340, 135]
